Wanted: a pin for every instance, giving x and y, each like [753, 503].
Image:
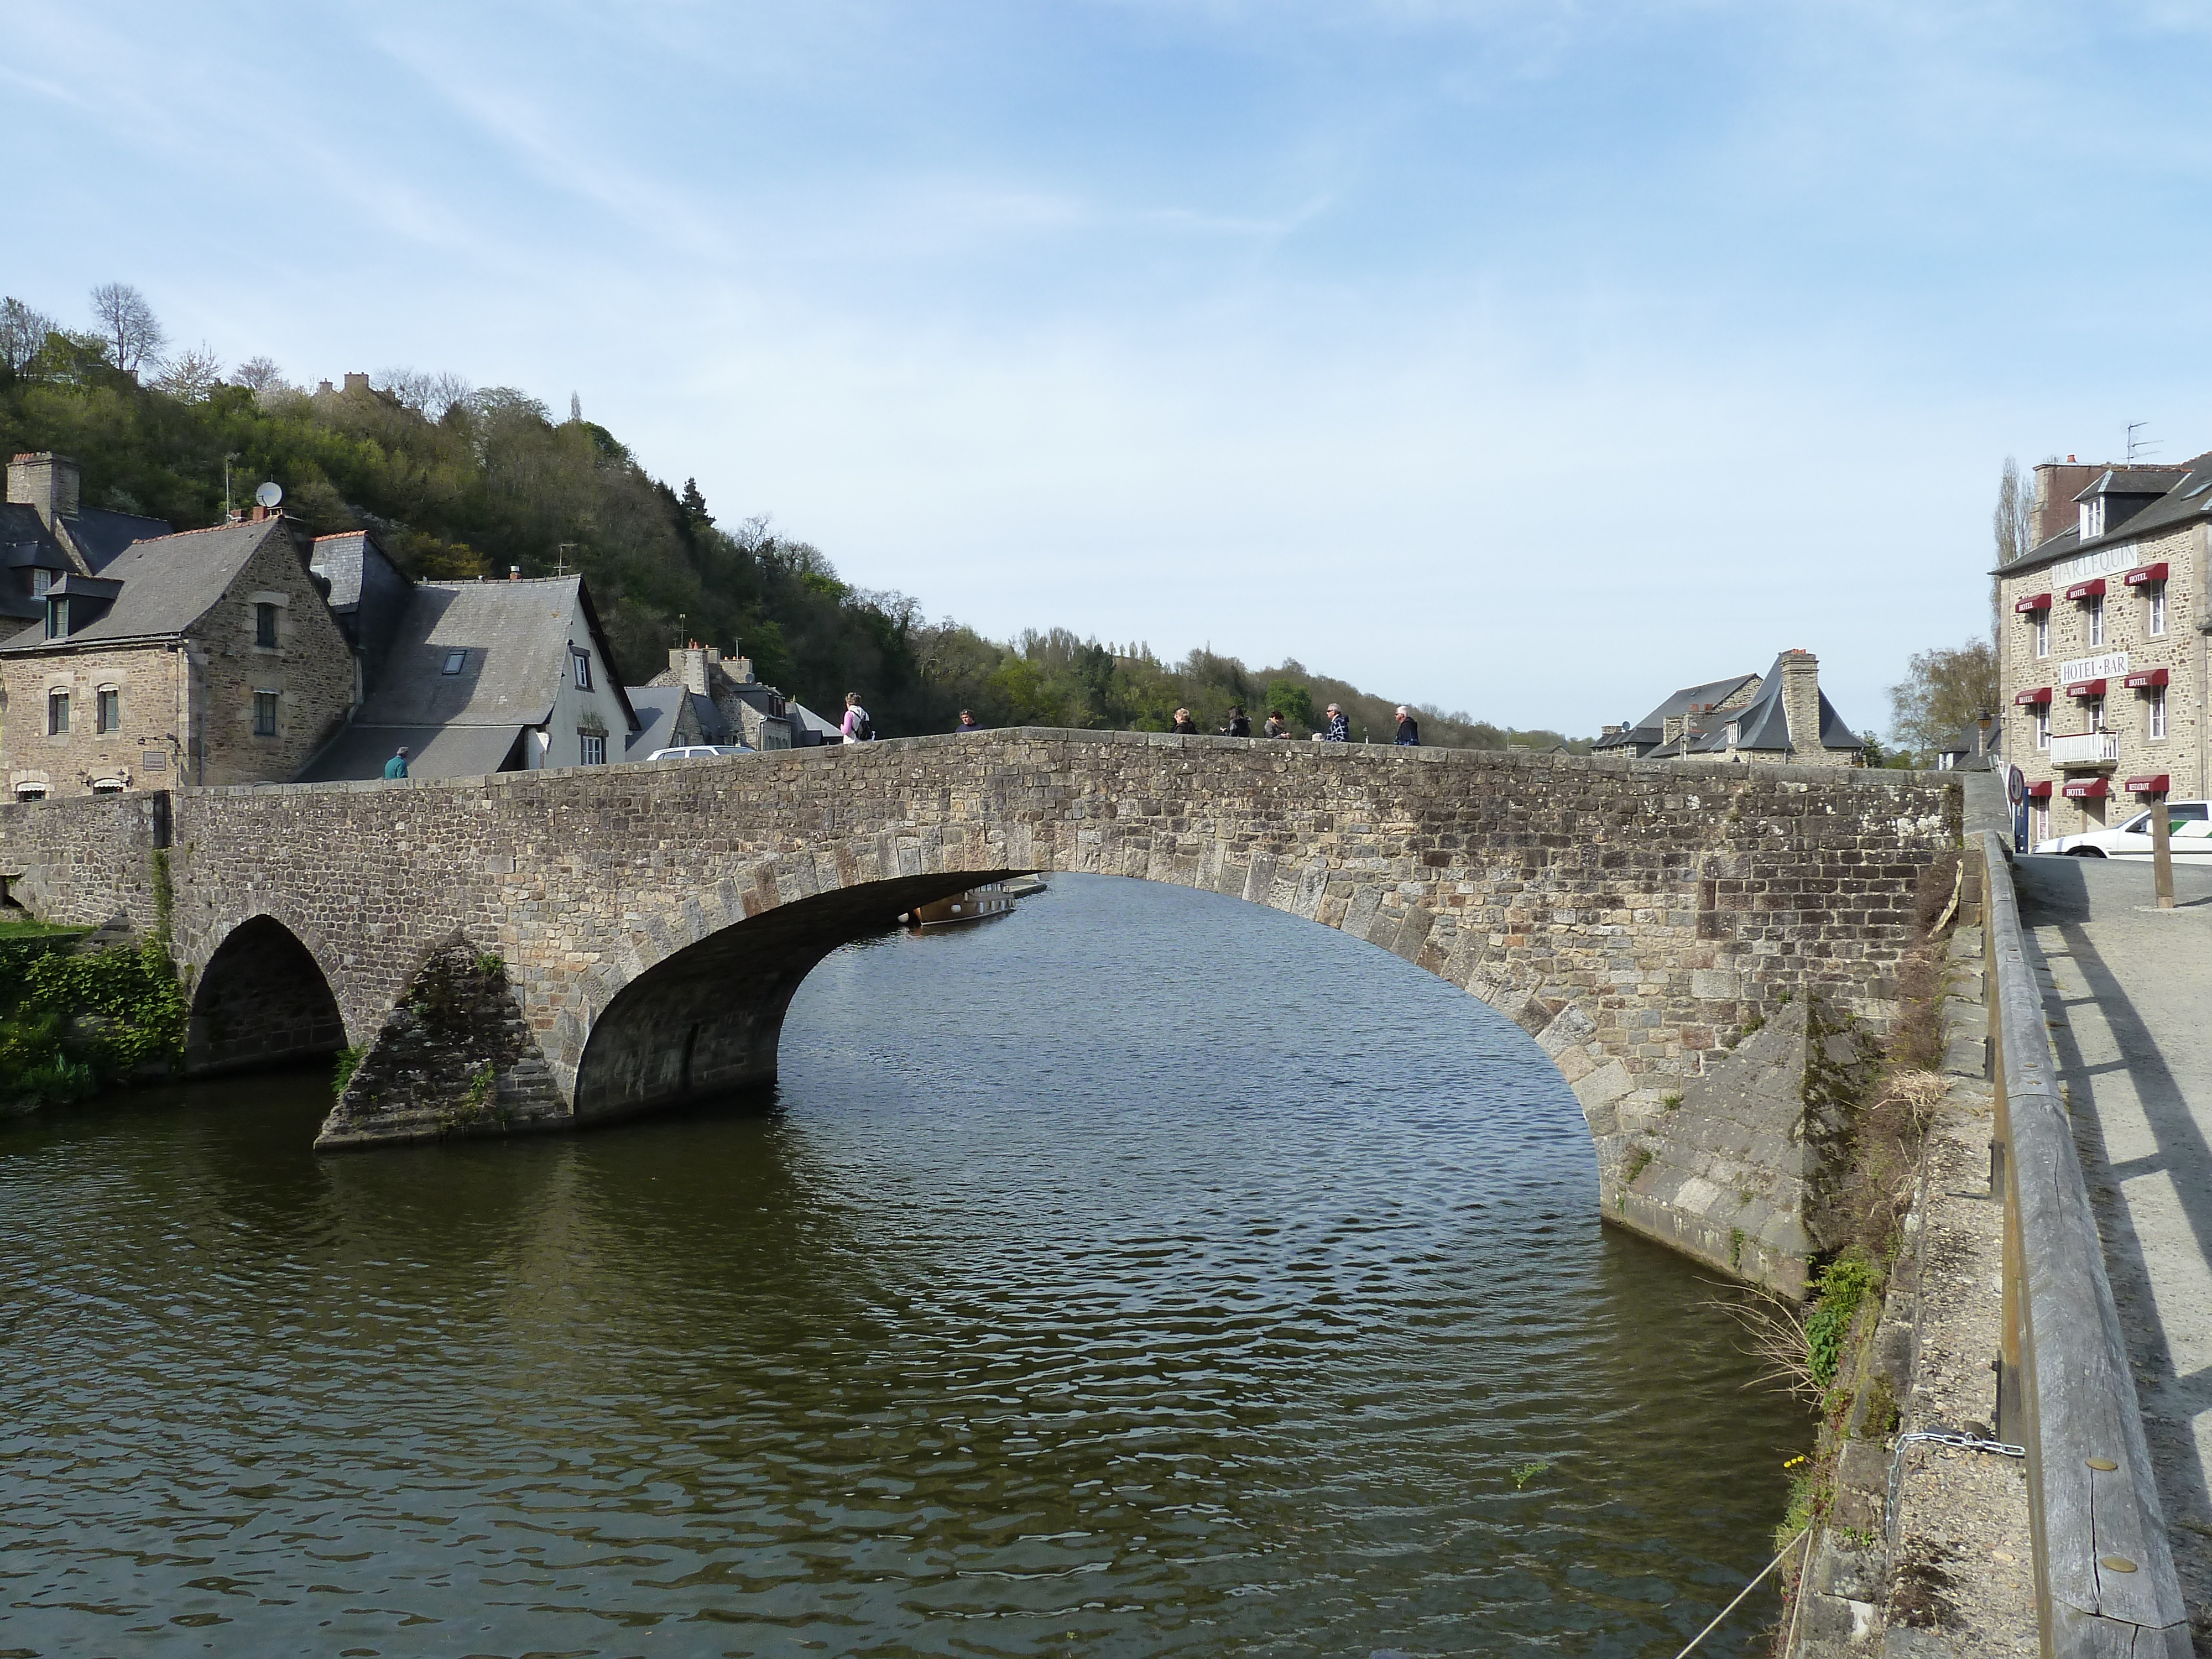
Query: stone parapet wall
[87, 862]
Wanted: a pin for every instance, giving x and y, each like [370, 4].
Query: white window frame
[2042, 724]
[2043, 633]
[2096, 711]
[100, 723]
[592, 745]
[2097, 623]
[580, 668]
[2155, 616]
[2157, 713]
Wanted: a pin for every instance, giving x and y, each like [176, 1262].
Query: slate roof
[432, 751]
[169, 582]
[2186, 501]
[657, 708]
[103, 537]
[516, 634]
[455, 726]
[1763, 726]
[824, 731]
[1652, 728]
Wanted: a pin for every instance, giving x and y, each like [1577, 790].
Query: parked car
[702, 751]
[2189, 823]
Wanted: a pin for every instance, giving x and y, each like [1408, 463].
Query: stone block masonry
[1632, 917]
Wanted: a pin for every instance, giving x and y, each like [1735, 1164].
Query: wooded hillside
[458, 482]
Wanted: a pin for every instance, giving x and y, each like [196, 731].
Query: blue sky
[1525, 358]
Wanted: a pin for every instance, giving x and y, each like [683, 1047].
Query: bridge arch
[261, 999]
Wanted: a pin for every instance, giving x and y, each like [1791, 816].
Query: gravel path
[2128, 990]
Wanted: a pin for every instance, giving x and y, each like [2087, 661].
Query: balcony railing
[2088, 749]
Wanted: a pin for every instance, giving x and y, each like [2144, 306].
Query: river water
[1144, 1273]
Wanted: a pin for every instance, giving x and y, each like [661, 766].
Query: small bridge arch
[262, 999]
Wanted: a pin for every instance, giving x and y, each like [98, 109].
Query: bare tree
[257, 374]
[127, 324]
[22, 334]
[429, 395]
[2014, 524]
[191, 373]
[1940, 693]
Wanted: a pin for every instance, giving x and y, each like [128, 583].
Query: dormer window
[57, 618]
[42, 580]
[2093, 517]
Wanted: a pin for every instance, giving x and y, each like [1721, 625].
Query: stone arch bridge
[545, 949]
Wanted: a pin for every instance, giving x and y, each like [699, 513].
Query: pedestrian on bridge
[1240, 723]
[1339, 729]
[1275, 727]
[1184, 723]
[967, 722]
[397, 766]
[1409, 729]
[856, 726]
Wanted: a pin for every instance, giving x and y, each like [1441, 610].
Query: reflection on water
[1142, 1273]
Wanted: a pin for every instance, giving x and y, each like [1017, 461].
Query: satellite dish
[268, 495]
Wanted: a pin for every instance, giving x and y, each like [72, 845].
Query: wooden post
[2161, 853]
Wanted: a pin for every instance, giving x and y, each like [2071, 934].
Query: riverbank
[77, 1017]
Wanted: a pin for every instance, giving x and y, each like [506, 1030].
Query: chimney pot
[515, 572]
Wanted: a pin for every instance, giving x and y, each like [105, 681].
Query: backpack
[867, 729]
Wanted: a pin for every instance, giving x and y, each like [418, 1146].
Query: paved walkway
[2128, 993]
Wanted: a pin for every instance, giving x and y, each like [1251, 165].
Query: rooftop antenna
[2140, 446]
[226, 460]
[561, 553]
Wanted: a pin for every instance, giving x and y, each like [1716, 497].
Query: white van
[702, 751]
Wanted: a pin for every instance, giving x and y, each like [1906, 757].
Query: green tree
[1295, 703]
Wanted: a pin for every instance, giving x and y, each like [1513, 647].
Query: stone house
[481, 677]
[726, 697]
[206, 657]
[2100, 658]
[1665, 724]
[1782, 717]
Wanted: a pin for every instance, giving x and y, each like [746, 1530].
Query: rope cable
[1745, 1591]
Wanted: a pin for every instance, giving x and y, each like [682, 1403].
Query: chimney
[46, 482]
[357, 383]
[1801, 703]
[1671, 729]
[2056, 485]
[1613, 730]
[515, 572]
[1983, 721]
[689, 665]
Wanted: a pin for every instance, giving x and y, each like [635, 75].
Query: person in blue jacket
[397, 766]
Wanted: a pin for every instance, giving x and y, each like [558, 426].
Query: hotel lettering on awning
[2102, 682]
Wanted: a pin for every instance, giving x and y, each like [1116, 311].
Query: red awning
[2089, 789]
[2041, 694]
[2040, 791]
[2145, 680]
[2034, 602]
[2153, 785]
[2086, 689]
[2090, 590]
[2146, 573]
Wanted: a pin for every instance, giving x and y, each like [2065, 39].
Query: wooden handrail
[2105, 1581]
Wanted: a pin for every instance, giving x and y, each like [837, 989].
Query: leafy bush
[1844, 1285]
[127, 1010]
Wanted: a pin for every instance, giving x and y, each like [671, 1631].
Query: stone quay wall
[1632, 917]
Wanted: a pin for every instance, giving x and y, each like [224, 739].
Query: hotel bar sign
[2113, 665]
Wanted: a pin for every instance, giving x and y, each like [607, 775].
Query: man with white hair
[1339, 729]
[1409, 730]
